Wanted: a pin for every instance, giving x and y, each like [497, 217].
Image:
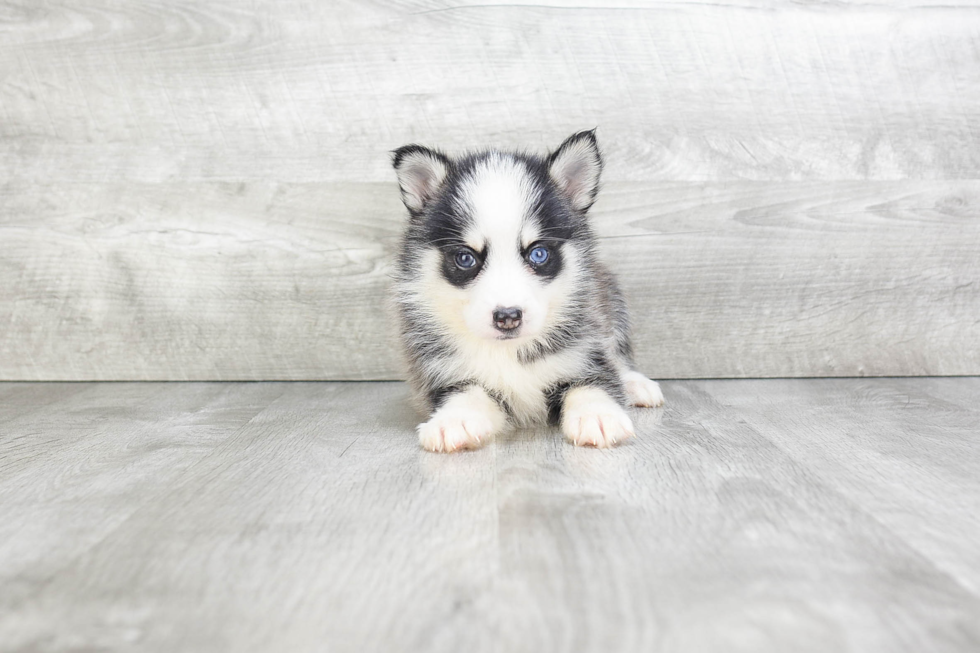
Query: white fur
[499, 196]
[466, 421]
[641, 391]
[521, 385]
[592, 418]
[491, 361]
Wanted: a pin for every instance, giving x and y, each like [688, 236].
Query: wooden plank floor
[777, 515]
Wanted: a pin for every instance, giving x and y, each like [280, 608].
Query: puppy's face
[494, 235]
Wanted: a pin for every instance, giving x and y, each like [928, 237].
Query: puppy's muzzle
[507, 319]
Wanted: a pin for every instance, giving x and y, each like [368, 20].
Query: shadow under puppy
[506, 314]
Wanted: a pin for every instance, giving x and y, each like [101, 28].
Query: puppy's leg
[641, 391]
[590, 417]
[466, 419]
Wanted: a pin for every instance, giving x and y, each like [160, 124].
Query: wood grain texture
[198, 281]
[301, 91]
[288, 281]
[884, 419]
[805, 515]
[202, 190]
[807, 279]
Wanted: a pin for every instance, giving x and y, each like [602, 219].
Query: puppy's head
[497, 240]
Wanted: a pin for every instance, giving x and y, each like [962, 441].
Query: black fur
[553, 266]
[460, 277]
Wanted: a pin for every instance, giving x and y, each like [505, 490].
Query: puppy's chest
[522, 386]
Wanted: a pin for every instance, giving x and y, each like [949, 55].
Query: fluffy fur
[507, 317]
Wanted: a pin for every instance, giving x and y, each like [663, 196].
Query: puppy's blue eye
[538, 255]
[465, 260]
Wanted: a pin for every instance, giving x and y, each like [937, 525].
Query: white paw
[466, 421]
[591, 419]
[641, 391]
[449, 431]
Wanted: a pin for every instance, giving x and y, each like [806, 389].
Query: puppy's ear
[421, 172]
[575, 167]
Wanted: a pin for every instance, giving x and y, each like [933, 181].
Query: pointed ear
[421, 172]
[575, 167]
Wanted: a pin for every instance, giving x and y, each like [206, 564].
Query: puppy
[507, 317]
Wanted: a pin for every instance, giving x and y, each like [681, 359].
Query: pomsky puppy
[507, 317]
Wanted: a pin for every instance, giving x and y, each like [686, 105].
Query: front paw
[452, 432]
[641, 391]
[592, 419]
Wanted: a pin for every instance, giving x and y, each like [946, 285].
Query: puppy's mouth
[509, 335]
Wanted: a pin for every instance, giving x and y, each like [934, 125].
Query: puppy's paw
[592, 419]
[605, 426]
[641, 391]
[449, 431]
[466, 421]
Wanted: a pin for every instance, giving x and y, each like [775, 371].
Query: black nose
[507, 319]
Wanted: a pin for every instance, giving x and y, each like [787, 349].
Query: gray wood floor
[776, 515]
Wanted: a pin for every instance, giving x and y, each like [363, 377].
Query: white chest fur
[496, 366]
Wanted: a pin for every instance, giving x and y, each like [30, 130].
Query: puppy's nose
[507, 319]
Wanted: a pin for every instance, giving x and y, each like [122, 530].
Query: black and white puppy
[506, 314]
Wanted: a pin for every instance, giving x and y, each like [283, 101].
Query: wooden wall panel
[202, 190]
[287, 281]
[101, 90]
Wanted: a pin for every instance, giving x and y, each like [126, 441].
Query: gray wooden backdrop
[200, 189]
